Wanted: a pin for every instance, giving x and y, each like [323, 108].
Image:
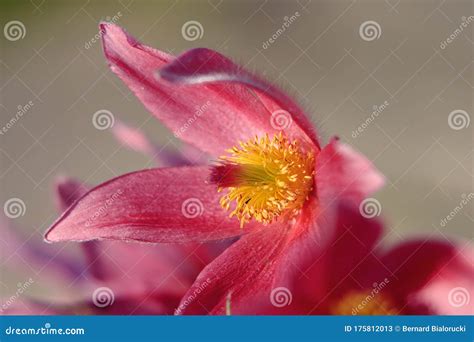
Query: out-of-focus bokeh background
[394, 79]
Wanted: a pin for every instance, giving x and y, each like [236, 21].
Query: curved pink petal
[343, 174]
[155, 205]
[212, 117]
[244, 269]
[205, 66]
[138, 267]
[249, 270]
[68, 191]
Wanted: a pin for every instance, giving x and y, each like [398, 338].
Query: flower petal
[341, 258]
[250, 270]
[244, 269]
[212, 118]
[155, 205]
[204, 66]
[137, 267]
[344, 175]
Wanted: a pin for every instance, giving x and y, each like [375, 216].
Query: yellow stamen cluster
[364, 303]
[272, 177]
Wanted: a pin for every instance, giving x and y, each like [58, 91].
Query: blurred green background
[337, 71]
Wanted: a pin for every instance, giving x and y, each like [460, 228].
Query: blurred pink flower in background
[350, 273]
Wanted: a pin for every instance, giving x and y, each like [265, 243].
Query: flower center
[266, 177]
[364, 303]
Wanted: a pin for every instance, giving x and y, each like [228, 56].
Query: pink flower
[351, 274]
[269, 184]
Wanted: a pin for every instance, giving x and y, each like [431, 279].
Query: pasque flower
[269, 180]
[352, 273]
